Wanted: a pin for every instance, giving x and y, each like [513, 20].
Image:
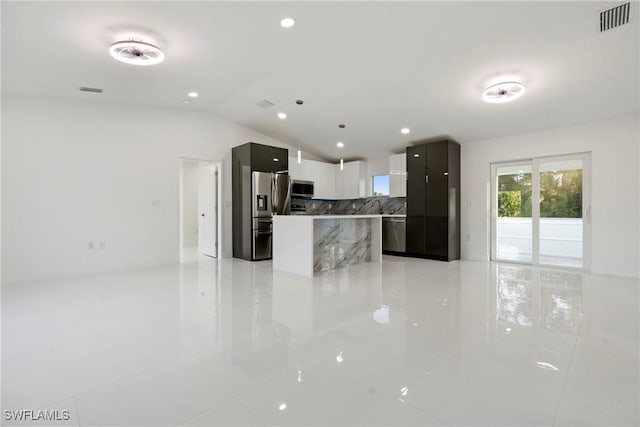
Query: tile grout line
[566, 380]
[75, 403]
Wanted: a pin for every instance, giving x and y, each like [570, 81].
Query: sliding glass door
[540, 211]
[514, 225]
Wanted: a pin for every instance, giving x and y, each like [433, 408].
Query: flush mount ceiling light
[405, 131]
[193, 94]
[288, 22]
[503, 92]
[339, 144]
[282, 116]
[136, 52]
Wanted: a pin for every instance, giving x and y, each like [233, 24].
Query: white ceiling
[376, 66]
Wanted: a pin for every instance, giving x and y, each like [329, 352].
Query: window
[380, 185]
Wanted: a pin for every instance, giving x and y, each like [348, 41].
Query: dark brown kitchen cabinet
[433, 200]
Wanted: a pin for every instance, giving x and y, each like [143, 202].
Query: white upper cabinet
[398, 175]
[322, 174]
[295, 169]
[351, 181]
[329, 181]
[325, 180]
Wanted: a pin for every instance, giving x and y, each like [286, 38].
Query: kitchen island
[307, 244]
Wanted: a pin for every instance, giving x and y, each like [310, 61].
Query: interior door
[207, 206]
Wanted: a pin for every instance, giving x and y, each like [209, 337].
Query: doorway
[199, 215]
[541, 211]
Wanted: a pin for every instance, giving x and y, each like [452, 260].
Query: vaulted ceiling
[375, 66]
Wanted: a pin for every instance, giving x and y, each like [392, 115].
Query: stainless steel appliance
[298, 205]
[270, 195]
[281, 190]
[302, 189]
[394, 232]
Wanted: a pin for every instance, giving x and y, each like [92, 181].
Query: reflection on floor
[405, 342]
[190, 255]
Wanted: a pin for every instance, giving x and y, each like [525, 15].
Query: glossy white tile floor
[407, 342]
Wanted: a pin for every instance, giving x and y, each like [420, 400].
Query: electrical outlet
[102, 244]
[91, 246]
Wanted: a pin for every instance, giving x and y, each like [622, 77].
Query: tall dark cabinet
[433, 200]
[246, 159]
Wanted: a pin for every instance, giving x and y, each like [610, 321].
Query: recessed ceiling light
[282, 116]
[503, 92]
[193, 94]
[136, 52]
[288, 22]
[405, 130]
[340, 144]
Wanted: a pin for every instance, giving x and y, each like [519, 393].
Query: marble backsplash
[363, 206]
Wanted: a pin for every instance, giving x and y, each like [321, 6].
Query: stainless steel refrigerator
[270, 195]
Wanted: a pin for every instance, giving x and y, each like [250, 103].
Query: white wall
[615, 203]
[190, 181]
[74, 172]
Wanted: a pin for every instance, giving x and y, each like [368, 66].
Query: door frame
[219, 229]
[535, 207]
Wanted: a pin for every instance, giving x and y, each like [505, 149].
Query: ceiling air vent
[90, 89]
[264, 104]
[614, 17]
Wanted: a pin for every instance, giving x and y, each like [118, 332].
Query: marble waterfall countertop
[307, 244]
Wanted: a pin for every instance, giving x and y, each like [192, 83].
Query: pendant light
[340, 144]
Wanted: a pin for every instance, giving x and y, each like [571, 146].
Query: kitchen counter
[350, 216]
[308, 244]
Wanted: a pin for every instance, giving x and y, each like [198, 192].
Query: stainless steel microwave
[302, 188]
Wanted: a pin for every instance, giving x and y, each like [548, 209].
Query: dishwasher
[394, 232]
